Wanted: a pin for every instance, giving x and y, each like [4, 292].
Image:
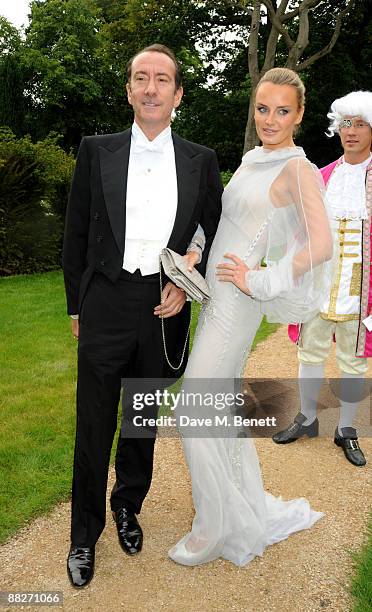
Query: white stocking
[310, 382]
[351, 387]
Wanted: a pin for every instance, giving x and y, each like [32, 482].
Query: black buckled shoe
[350, 445]
[129, 531]
[80, 565]
[296, 429]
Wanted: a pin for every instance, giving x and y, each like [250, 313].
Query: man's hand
[172, 301]
[233, 273]
[75, 328]
[191, 258]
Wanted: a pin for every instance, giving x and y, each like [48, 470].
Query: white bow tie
[154, 147]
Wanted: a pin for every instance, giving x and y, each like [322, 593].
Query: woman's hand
[191, 258]
[233, 272]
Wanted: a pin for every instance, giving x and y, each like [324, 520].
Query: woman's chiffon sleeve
[197, 242]
[299, 243]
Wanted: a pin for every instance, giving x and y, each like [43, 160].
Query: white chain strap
[175, 368]
[258, 236]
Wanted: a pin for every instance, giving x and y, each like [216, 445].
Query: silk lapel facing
[114, 161]
[188, 168]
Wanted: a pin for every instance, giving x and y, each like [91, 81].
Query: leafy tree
[68, 79]
[10, 39]
[12, 100]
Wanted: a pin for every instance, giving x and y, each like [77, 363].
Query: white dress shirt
[346, 191]
[151, 202]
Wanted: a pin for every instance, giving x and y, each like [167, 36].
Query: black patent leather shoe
[296, 430]
[129, 531]
[80, 565]
[350, 445]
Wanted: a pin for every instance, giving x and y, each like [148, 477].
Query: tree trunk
[251, 138]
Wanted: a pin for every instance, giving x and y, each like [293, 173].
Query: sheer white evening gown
[269, 209]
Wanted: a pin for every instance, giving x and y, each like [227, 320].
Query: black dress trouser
[119, 337]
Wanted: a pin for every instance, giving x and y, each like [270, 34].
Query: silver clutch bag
[193, 283]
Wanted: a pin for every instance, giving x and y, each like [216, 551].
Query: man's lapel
[188, 168]
[114, 160]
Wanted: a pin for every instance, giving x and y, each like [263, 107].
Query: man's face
[356, 135]
[152, 91]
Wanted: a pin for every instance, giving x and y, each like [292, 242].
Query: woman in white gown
[272, 208]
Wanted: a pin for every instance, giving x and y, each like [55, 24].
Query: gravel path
[309, 571]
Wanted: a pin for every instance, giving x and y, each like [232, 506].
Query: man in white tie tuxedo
[133, 193]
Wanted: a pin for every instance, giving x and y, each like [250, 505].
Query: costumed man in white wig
[348, 183]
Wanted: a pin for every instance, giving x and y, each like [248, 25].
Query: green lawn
[37, 373]
[361, 587]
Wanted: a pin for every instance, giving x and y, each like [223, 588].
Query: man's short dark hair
[157, 48]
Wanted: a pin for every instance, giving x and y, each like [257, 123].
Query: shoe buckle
[354, 445]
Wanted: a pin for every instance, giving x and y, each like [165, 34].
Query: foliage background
[64, 77]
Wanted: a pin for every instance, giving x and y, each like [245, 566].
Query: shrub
[34, 183]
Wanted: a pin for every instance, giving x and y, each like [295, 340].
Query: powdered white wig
[354, 104]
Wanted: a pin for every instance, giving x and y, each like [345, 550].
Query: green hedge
[34, 184]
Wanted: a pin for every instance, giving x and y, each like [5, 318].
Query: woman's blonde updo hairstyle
[285, 76]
